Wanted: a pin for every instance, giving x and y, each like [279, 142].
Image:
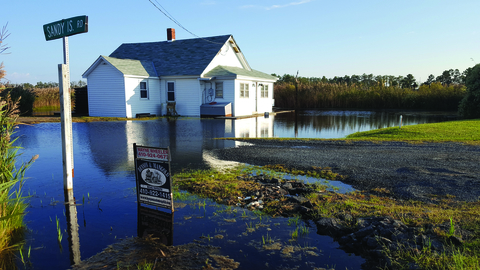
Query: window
[219, 90]
[143, 90]
[244, 90]
[264, 132]
[170, 91]
[264, 91]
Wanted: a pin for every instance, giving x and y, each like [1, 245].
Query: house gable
[127, 67]
[229, 55]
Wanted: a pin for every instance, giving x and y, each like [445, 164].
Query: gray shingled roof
[180, 57]
[232, 71]
[133, 67]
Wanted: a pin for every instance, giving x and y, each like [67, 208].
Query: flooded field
[105, 195]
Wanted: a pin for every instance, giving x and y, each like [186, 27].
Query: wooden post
[66, 125]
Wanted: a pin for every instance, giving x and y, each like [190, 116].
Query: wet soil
[421, 171]
[134, 252]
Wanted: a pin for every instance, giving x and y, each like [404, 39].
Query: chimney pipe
[171, 34]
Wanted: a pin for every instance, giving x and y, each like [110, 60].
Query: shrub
[470, 105]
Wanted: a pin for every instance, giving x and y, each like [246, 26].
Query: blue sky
[316, 37]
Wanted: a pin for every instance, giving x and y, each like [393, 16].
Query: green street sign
[66, 27]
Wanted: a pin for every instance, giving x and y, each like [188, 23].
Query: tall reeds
[35, 99]
[341, 95]
[12, 204]
[46, 98]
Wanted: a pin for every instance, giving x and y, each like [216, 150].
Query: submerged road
[425, 171]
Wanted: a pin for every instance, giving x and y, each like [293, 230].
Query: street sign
[152, 173]
[66, 27]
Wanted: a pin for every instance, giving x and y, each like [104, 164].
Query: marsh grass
[376, 96]
[222, 187]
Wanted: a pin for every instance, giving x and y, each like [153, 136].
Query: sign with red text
[160, 154]
[152, 173]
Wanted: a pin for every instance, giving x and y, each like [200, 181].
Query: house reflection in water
[111, 143]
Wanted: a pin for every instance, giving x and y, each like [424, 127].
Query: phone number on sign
[151, 155]
[155, 193]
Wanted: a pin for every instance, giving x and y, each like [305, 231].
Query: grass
[12, 176]
[465, 131]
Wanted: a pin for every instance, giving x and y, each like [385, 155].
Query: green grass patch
[467, 131]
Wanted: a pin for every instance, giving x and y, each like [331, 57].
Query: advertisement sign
[152, 171]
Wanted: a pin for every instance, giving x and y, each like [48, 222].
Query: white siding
[226, 57]
[228, 90]
[106, 92]
[188, 96]
[244, 106]
[135, 104]
[265, 104]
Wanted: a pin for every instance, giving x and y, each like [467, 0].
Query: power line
[165, 12]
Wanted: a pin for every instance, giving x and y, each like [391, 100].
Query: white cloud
[278, 6]
[16, 77]
[289, 4]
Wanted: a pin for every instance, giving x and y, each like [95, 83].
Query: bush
[470, 105]
[25, 98]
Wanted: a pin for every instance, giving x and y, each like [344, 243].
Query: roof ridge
[177, 40]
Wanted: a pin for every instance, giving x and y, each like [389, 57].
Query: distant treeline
[443, 92]
[367, 80]
[41, 84]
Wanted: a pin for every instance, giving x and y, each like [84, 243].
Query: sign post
[55, 30]
[152, 173]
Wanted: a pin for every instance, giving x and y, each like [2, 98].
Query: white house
[200, 77]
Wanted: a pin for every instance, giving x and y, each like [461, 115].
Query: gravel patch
[424, 171]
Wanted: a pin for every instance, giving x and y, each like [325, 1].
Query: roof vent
[171, 34]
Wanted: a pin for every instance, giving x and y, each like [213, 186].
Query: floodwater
[105, 195]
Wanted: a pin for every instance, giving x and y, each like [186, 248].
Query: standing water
[105, 195]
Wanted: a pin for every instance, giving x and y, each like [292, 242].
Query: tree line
[365, 81]
[42, 85]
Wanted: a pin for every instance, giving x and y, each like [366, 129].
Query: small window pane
[171, 96]
[143, 90]
[219, 90]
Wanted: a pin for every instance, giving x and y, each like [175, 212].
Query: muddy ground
[421, 171]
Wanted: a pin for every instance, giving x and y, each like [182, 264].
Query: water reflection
[340, 123]
[157, 223]
[111, 144]
[72, 227]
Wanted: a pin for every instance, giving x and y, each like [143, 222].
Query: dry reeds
[337, 95]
